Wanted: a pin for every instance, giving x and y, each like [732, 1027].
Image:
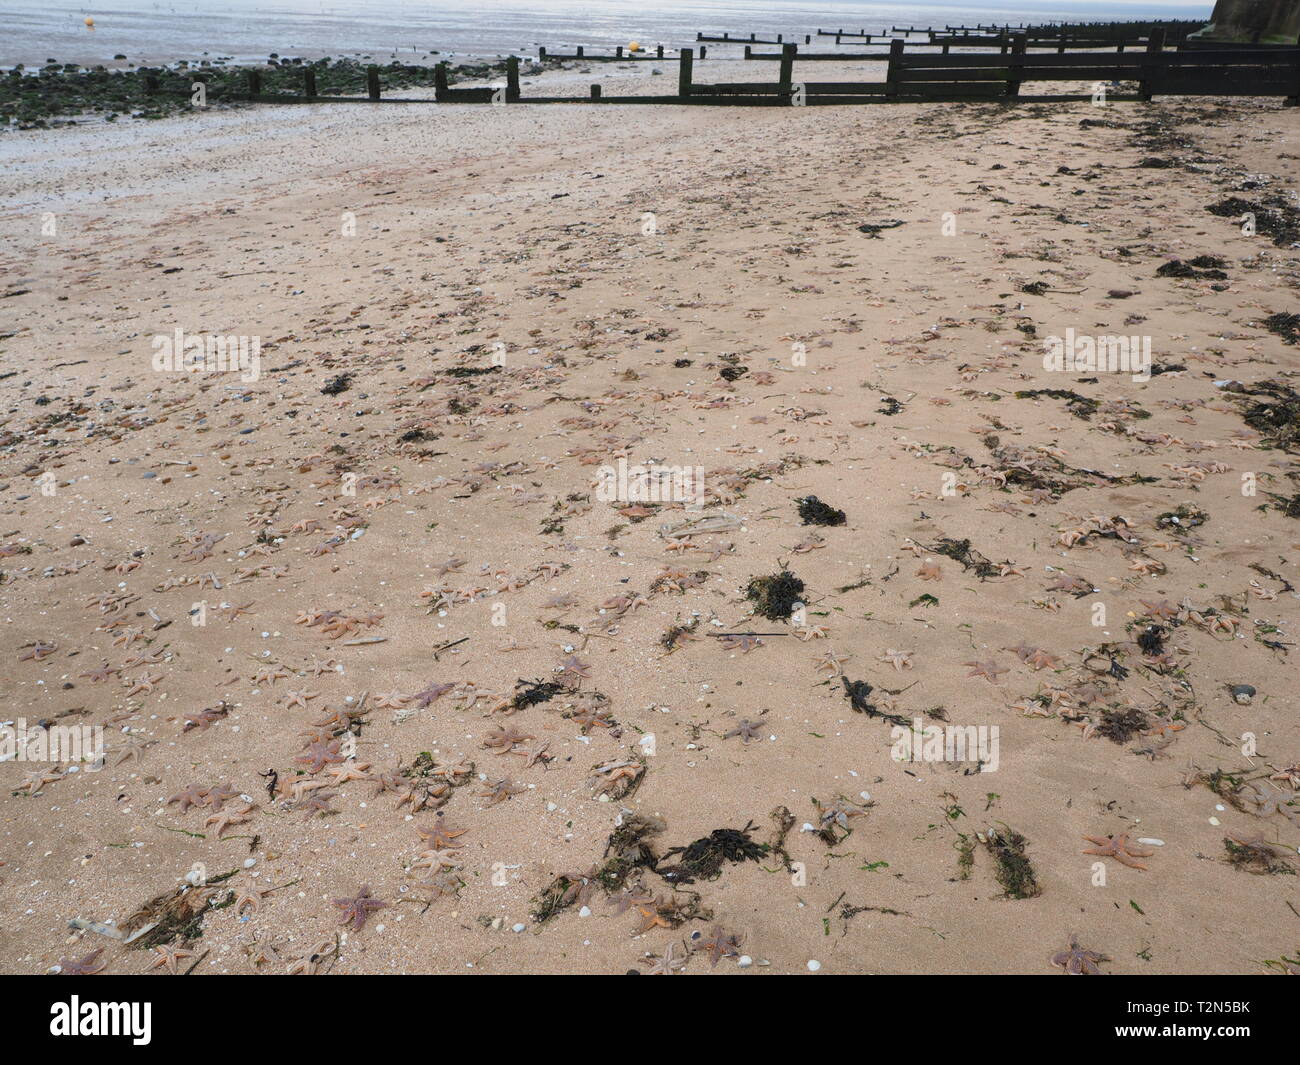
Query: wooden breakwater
[912, 77]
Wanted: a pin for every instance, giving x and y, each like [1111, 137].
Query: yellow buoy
[90, 22]
[634, 47]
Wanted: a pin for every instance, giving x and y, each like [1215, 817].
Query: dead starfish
[1079, 962]
[1119, 848]
[357, 910]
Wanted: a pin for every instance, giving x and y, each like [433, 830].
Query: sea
[159, 31]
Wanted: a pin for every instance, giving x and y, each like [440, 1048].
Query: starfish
[1079, 962]
[357, 910]
[440, 834]
[102, 673]
[422, 699]
[318, 755]
[270, 675]
[38, 651]
[292, 699]
[501, 790]
[36, 780]
[87, 965]
[537, 753]
[747, 730]
[832, 662]
[191, 796]
[930, 571]
[248, 896]
[167, 956]
[900, 660]
[1119, 848]
[988, 670]
[219, 822]
[720, 944]
[668, 964]
[503, 740]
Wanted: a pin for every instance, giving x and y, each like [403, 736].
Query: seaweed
[338, 384]
[629, 847]
[1287, 326]
[704, 858]
[814, 512]
[1192, 269]
[859, 696]
[1274, 217]
[970, 559]
[1278, 421]
[177, 914]
[1256, 856]
[1183, 517]
[470, 371]
[531, 693]
[774, 597]
[1080, 406]
[1152, 641]
[1014, 872]
[1120, 726]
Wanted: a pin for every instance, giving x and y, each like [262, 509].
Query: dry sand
[523, 227]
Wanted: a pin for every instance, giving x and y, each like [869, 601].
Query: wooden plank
[1003, 74]
[685, 59]
[786, 75]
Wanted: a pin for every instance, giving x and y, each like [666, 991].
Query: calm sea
[150, 32]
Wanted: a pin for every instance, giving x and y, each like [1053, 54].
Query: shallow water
[410, 29]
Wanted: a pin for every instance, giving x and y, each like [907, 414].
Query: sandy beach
[360, 621]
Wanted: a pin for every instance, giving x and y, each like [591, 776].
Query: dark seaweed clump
[1287, 326]
[774, 597]
[1014, 872]
[1120, 726]
[1202, 268]
[1080, 406]
[858, 693]
[1152, 641]
[1274, 217]
[335, 385]
[814, 512]
[970, 559]
[470, 371]
[703, 859]
[538, 691]
[1278, 421]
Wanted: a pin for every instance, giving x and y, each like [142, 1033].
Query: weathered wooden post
[254, 83]
[1017, 63]
[946, 46]
[1061, 43]
[894, 70]
[704, 50]
[512, 79]
[309, 82]
[541, 55]
[786, 77]
[579, 52]
[1151, 64]
[372, 82]
[779, 39]
[595, 92]
[659, 52]
[1294, 99]
[440, 82]
[619, 51]
[749, 52]
[1002, 42]
[684, 63]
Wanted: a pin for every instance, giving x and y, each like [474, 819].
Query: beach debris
[1012, 868]
[812, 511]
[704, 859]
[774, 597]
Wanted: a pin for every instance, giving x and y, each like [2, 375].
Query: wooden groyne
[911, 76]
